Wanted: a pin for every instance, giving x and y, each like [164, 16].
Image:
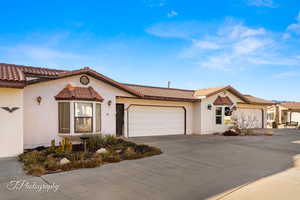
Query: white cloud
[250, 45]
[154, 3]
[43, 53]
[286, 36]
[172, 13]
[262, 3]
[296, 26]
[240, 31]
[183, 30]
[206, 45]
[228, 46]
[286, 74]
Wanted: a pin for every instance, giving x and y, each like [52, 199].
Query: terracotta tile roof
[101, 77]
[78, 93]
[256, 100]
[160, 93]
[291, 105]
[207, 92]
[223, 101]
[15, 75]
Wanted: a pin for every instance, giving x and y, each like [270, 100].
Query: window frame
[74, 116]
[60, 131]
[221, 115]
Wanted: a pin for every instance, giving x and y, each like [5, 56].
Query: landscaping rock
[230, 132]
[102, 150]
[64, 161]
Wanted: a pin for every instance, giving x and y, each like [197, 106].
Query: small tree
[243, 121]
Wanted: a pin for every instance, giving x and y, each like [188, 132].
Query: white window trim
[223, 115]
[72, 118]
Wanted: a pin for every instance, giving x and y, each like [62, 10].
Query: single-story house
[282, 115]
[41, 104]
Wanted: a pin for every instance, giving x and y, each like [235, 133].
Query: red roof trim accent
[12, 84]
[223, 101]
[79, 93]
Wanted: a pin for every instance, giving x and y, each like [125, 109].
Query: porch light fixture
[209, 106]
[39, 100]
[109, 102]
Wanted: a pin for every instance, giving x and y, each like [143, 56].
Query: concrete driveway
[191, 167]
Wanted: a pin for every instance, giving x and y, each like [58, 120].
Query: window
[64, 117]
[223, 115]
[98, 117]
[219, 115]
[83, 117]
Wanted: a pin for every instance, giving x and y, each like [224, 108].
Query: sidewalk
[284, 185]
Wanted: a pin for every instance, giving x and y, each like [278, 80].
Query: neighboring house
[284, 114]
[39, 104]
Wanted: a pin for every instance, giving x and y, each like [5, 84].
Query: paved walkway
[284, 185]
[191, 167]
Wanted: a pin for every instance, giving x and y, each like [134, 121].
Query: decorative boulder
[102, 150]
[230, 132]
[64, 161]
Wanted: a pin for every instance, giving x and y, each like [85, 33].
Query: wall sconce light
[109, 102]
[39, 100]
[209, 106]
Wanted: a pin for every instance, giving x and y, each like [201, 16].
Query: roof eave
[12, 84]
[163, 98]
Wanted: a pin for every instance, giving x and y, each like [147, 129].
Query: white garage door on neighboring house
[155, 120]
[251, 118]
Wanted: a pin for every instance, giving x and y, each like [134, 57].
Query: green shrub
[92, 163]
[154, 151]
[111, 157]
[110, 140]
[52, 147]
[95, 142]
[67, 167]
[130, 154]
[33, 157]
[51, 164]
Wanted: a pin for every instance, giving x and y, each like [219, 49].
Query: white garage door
[155, 120]
[251, 118]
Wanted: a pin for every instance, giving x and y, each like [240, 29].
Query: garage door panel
[155, 120]
[253, 117]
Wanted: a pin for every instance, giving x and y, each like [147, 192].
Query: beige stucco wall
[208, 117]
[295, 117]
[11, 124]
[188, 106]
[197, 117]
[41, 121]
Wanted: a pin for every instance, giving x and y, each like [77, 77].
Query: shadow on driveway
[191, 167]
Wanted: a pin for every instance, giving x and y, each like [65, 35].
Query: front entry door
[120, 119]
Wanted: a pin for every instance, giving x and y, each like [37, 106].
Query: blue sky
[253, 45]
